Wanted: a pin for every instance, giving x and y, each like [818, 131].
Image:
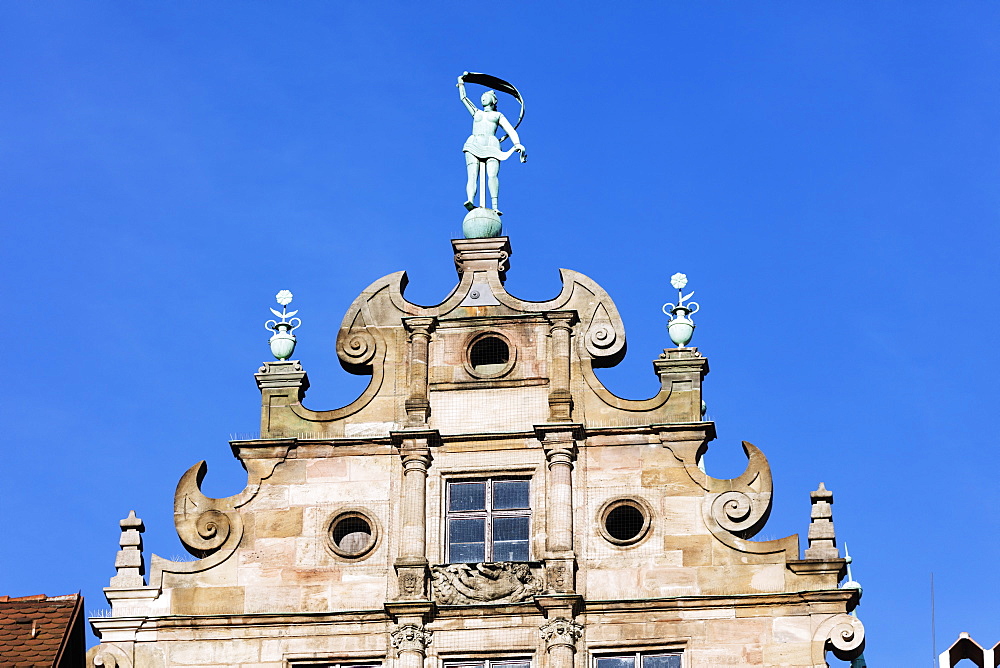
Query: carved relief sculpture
[463, 584]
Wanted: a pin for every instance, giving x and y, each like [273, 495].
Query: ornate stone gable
[487, 491]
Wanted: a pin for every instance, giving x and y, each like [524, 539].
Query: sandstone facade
[484, 501]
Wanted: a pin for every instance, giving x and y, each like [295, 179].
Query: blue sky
[825, 173]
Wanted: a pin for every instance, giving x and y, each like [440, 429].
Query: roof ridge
[38, 597]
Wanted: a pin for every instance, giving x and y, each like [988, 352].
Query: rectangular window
[488, 520]
[487, 663]
[639, 660]
[319, 663]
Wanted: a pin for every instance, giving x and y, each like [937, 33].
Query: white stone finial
[821, 536]
[129, 562]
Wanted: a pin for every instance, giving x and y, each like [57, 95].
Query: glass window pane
[467, 496]
[510, 528]
[510, 550]
[467, 553]
[467, 541]
[616, 662]
[661, 661]
[508, 494]
[510, 664]
[467, 530]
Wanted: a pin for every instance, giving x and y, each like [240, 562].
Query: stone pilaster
[411, 564]
[822, 539]
[282, 384]
[560, 354]
[418, 407]
[559, 443]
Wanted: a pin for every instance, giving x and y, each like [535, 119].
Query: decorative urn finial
[283, 341]
[681, 327]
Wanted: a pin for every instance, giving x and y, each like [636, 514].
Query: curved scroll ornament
[107, 656]
[742, 514]
[605, 346]
[740, 506]
[842, 634]
[735, 510]
[356, 346]
[210, 529]
[203, 524]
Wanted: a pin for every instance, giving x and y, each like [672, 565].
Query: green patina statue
[482, 149]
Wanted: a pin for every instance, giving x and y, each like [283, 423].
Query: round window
[625, 521]
[489, 356]
[352, 534]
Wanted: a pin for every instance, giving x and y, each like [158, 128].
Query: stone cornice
[836, 597]
[818, 566]
[833, 597]
[397, 609]
[432, 437]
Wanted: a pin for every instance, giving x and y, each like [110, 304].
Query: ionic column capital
[415, 447]
[410, 638]
[561, 320]
[420, 326]
[560, 455]
[416, 460]
[559, 442]
[560, 631]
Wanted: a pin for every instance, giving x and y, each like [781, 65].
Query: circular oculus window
[625, 521]
[489, 355]
[352, 534]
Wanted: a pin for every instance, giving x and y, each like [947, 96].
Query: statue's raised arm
[465, 98]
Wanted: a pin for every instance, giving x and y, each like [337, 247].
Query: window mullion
[488, 553]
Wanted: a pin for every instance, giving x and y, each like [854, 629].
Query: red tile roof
[40, 630]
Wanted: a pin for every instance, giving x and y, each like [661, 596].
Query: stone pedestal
[282, 384]
[482, 257]
[681, 372]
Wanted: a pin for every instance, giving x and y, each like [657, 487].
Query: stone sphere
[481, 223]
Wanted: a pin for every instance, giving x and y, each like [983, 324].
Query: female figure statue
[482, 148]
